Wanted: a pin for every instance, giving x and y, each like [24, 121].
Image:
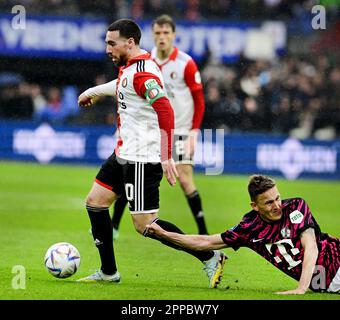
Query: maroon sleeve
[302, 218]
[235, 237]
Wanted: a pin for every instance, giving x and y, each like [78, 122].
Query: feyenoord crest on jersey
[124, 82]
[173, 75]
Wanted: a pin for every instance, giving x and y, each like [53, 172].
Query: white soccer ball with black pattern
[62, 260]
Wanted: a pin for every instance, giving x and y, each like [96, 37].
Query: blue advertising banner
[84, 38]
[216, 152]
[226, 40]
[55, 37]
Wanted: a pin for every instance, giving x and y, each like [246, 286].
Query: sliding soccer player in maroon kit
[284, 232]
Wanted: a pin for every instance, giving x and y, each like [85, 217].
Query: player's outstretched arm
[91, 95]
[310, 257]
[192, 242]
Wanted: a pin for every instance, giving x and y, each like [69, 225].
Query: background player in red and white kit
[185, 92]
[142, 155]
[283, 232]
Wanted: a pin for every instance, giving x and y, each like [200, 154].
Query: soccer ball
[62, 260]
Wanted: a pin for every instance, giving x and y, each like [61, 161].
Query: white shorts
[334, 287]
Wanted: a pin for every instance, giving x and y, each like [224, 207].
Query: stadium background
[272, 92]
[267, 74]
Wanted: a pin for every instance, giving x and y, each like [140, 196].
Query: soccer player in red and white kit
[185, 92]
[284, 232]
[142, 155]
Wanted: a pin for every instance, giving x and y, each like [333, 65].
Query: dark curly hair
[127, 28]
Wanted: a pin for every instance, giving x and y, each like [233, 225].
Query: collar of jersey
[174, 54]
[173, 57]
[144, 56]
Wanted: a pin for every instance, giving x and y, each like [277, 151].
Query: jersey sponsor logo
[124, 82]
[286, 252]
[120, 101]
[257, 240]
[296, 216]
[151, 83]
[197, 77]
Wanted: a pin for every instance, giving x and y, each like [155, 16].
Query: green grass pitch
[42, 205]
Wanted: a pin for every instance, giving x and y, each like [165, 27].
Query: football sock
[195, 204]
[168, 226]
[118, 211]
[102, 235]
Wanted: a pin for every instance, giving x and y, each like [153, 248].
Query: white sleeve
[106, 89]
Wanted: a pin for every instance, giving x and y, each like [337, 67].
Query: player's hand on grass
[85, 101]
[170, 171]
[295, 291]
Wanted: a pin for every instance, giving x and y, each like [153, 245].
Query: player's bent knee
[139, 227]
[96, 201]
[184, 182]
[140, 221]
[187, 185]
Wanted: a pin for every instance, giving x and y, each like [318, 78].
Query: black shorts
[139, 182]
[178, 151]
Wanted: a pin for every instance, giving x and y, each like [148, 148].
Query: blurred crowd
[191, 10]
[291, 95]
[295, 95]
[20, 100]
